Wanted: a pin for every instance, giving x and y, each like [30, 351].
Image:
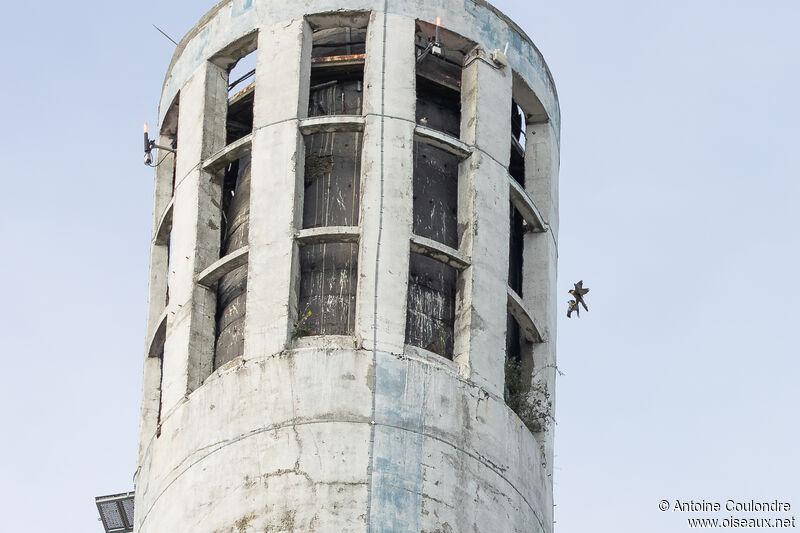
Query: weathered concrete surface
[483, 212]
[476, 19]
[359, 432]
[541, 262]
[285, 440]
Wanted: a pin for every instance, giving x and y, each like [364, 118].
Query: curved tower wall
[378, 411]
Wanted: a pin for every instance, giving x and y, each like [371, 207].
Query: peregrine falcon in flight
[574, 305]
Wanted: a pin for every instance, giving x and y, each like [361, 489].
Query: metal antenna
[165, 35]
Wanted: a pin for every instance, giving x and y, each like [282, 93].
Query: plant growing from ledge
[532, 405]
[300, 328]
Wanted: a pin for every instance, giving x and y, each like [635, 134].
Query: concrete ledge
[439, 251]
[324, 342]
[164, 226]
[332, 123]
[155, 341]
[525, 206]
[229, 154]
[230, 262]
[328, 234]
[533, 331]
[442, 140]
[433, 359]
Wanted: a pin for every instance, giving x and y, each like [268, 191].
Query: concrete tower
[352, 312]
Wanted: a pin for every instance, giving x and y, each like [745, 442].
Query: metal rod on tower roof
[165, 35]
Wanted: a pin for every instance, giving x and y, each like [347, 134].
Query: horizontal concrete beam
[533, 331]
[229, 263]
[229, 154]
[332, 123]
[164, 226]
[155, 342]
[328, 234]
[525, 206]
[440, 252]
[442, 140]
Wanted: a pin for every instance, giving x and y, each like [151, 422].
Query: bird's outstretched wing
[579, 288]
[578, 292]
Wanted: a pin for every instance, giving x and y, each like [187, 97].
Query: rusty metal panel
[515, 249]
[232, 287]
[332, 179]
[431, 307]
[435, 194]
[328, 279]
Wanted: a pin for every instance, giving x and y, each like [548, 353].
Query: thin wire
[162, 160]
[240, 80]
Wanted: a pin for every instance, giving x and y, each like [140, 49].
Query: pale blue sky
[679, 189]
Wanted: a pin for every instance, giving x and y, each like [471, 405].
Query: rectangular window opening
[328, 279]
[515, 249]
[516, 166]
[435, 197]
[241, 95]
[232, 287]
[518, 374]
[337, 71]
[440, 58]
[332, 179]
[168, 136]
[170, 263]
[160, 391]
[174, 146]
[431, 306]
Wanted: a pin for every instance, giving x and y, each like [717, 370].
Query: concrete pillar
[151, 398]
[189, 347]
[159, 253]
[387, 184]
[483, 187]
[541, 261]
[276, 185]
[157, 292]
